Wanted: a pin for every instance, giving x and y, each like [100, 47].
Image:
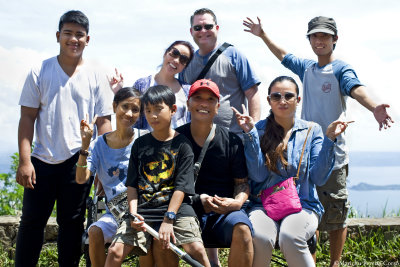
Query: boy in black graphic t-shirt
[160, 178]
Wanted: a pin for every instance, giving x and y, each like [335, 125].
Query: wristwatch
[84, 152]
[170, 215]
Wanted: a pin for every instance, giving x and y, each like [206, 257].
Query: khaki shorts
[186, 230]
[334, 197]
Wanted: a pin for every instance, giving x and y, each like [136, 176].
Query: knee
[262, 240]
[195, 248]
[95, 233]
[115, 252]
[241, 233]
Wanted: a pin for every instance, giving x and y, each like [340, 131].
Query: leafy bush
[11, 193]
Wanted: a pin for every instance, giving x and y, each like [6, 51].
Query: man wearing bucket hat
[221, 186]
[327, 84]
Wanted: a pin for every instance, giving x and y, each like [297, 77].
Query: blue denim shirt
[317, 163]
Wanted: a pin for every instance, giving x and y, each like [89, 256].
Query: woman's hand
[116, 81]
[254, 28]
[244, 121]
[87, 131]
[336, 128]
[166, 233]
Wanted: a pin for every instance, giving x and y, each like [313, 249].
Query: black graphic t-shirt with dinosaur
[158, 168]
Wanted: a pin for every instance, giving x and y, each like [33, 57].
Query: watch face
[170, 215]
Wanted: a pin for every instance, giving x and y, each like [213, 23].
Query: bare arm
[166, 231]
[258, 30]
[381, 116]
[82, 173]
[26, 175]
[104, 124]
[253, 99]
[240, 193]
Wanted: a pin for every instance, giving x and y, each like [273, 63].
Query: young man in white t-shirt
[55, 97]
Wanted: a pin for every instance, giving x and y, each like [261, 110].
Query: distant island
[367, 187]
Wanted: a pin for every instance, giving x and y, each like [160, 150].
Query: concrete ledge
[9, 229]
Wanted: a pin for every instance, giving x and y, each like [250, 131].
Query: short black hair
[159, 94]
[74, 16]
[203, 11]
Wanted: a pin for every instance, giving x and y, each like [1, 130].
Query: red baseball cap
[204, 84]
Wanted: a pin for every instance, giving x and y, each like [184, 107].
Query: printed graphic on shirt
[158, 173]
[326, 87]
[116, 173]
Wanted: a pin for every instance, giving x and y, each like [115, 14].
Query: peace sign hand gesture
[116, 81]
[87, 131]
[244, 121]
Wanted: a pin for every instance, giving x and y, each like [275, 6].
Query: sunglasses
[277, 97]
[176, 54]
[207, 27]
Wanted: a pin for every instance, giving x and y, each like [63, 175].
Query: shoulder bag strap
[212, 59]
[197, 165]
[302, 152]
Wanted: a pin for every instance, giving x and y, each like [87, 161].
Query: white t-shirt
[63, 102]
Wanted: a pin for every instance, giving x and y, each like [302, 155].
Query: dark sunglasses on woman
[176, 54]
[276, 96]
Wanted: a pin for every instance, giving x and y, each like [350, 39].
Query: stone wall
[390, 227]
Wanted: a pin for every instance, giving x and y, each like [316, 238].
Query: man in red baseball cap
[221, 185]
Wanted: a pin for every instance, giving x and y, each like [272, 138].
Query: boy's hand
[26, 175]
[254, 28]
[138, 224]
[166, 233]
[382, 116]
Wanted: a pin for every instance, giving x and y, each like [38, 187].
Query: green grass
[372, 249]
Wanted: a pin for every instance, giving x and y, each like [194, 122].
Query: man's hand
[207, 202]
[166, 233]
[225, 205]
[26, 175]
[252, 27]
[382, 116]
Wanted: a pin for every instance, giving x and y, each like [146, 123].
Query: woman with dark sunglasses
[273, 149]
[176, 57]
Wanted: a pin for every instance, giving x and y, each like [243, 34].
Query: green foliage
[11, 193]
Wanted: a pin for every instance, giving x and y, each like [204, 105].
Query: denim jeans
[54, 182]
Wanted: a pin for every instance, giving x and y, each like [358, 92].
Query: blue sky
[132, 36]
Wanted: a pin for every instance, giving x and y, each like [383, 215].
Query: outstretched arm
[258, 30]
[379, 111]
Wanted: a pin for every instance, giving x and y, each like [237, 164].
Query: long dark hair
[185, 43]
[272, 141]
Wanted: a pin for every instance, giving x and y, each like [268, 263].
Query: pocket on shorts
[336, 212]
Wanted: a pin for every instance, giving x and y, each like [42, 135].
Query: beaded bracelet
[81, 166]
